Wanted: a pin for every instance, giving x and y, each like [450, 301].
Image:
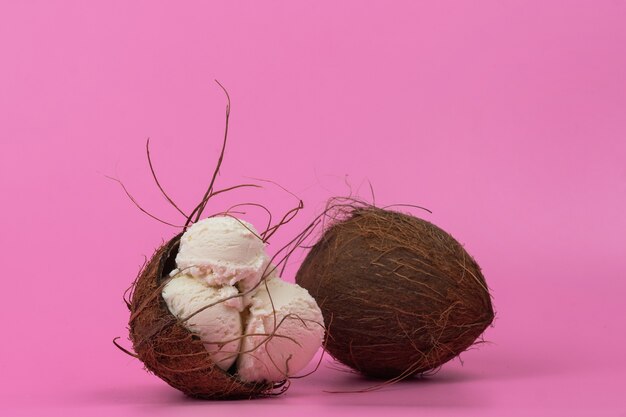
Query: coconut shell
[401, 296]
[168, 349]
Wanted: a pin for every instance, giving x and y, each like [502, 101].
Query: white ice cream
[297, 326]
[224, 251]
[219, 326]
[271, 328]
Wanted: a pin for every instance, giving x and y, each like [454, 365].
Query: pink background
[506, 119]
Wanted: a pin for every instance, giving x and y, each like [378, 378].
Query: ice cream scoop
[225, 290]
[283, 331]
[213, 313]
[223, 250]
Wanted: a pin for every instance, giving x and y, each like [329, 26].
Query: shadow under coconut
[509, 366]
[124, 395]
[160, 396]
[450, 388]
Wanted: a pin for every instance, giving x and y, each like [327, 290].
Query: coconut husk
[168, 349]
[404, 296]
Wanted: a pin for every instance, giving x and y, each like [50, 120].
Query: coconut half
[401, 296]
[168, 349]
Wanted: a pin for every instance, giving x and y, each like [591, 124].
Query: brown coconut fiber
[403, 296]
[168, 349]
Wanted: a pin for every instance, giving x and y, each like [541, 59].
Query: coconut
[168, 349]
[401, 296]
[162, 341]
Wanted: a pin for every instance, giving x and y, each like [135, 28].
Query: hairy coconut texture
[168, 349]
[403, 296]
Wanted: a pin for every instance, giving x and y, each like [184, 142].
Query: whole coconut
[401, 295]
[168, 349]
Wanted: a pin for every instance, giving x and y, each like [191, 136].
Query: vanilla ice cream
[223, 250]
[271, 329]
[213, 313]
[289, 313]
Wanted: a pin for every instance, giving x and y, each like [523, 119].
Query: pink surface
[506, 119]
